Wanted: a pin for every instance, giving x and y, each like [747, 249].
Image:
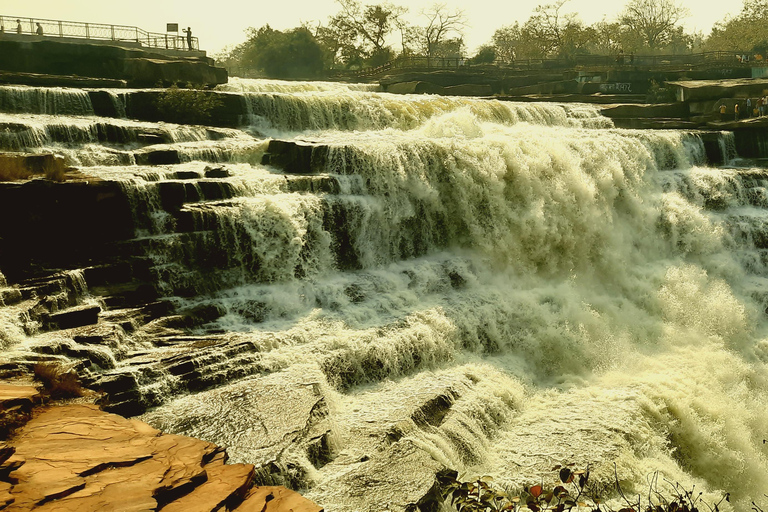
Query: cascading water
[45, 100]
[492, 287]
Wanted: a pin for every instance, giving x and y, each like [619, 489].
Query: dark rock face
[138, 67]
[76, 317]
[295, 157]
[142, 105]
[79, 215]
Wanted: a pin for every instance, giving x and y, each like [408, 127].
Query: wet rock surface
[77, 457]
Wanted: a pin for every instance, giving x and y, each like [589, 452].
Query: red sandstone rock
[78, 458]
[276, 499]
[12, 395]
[225, 484]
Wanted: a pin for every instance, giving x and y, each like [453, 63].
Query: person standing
[749, 107]
[39, 30]
[189, 37]
[722, 111]
[736, 111]
[18, 26]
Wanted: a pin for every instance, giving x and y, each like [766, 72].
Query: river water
[489, 286]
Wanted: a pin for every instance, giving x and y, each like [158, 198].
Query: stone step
[296, 157]
[74, 317]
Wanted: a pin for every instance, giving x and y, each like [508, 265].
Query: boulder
[296, 157]
[367, 486]
[217, 172]
[415, 87]
[258, 427]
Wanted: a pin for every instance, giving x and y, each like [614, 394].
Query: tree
[441, 23]
[744, 32]
[291, 54]
[361, 30]
[410, 37]
[485, 55]
[609, 38]
[506, 42]
[656, 22]
[553, 32]
[546, 26]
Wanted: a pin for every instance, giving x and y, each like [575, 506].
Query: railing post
[112, 29]
[87, 33]
[61, 31]
[137, 34]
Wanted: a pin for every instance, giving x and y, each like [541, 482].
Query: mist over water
[573, 292]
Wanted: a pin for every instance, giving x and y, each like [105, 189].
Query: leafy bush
[58, 382]
[186, 106]
[486, 55]
[55, 169]
[20, 166]
[659, 94]
[12, 168]
[294, 53]
[573, 492]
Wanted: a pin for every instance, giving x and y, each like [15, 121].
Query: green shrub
[573, 492]
[186, 106]
[55, 169]
[21, 166]
[12, 168]
[659, 94]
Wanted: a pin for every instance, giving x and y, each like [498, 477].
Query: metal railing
[608, 61]
[96, 31]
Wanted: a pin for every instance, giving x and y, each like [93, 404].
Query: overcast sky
[219, 23]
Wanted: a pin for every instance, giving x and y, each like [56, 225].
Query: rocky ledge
[77, 457]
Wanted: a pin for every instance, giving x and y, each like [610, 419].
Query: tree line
[369, 35]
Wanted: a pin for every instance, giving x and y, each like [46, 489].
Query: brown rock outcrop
[77, 457]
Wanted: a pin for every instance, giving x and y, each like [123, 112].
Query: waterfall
[493, 287]
[727, 144]
[273, 112]
[44, 100]
[236, 84]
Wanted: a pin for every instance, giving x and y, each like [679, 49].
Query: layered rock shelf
[38, 61]
[77, 457]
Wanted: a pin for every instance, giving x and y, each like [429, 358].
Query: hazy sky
[219, 23]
